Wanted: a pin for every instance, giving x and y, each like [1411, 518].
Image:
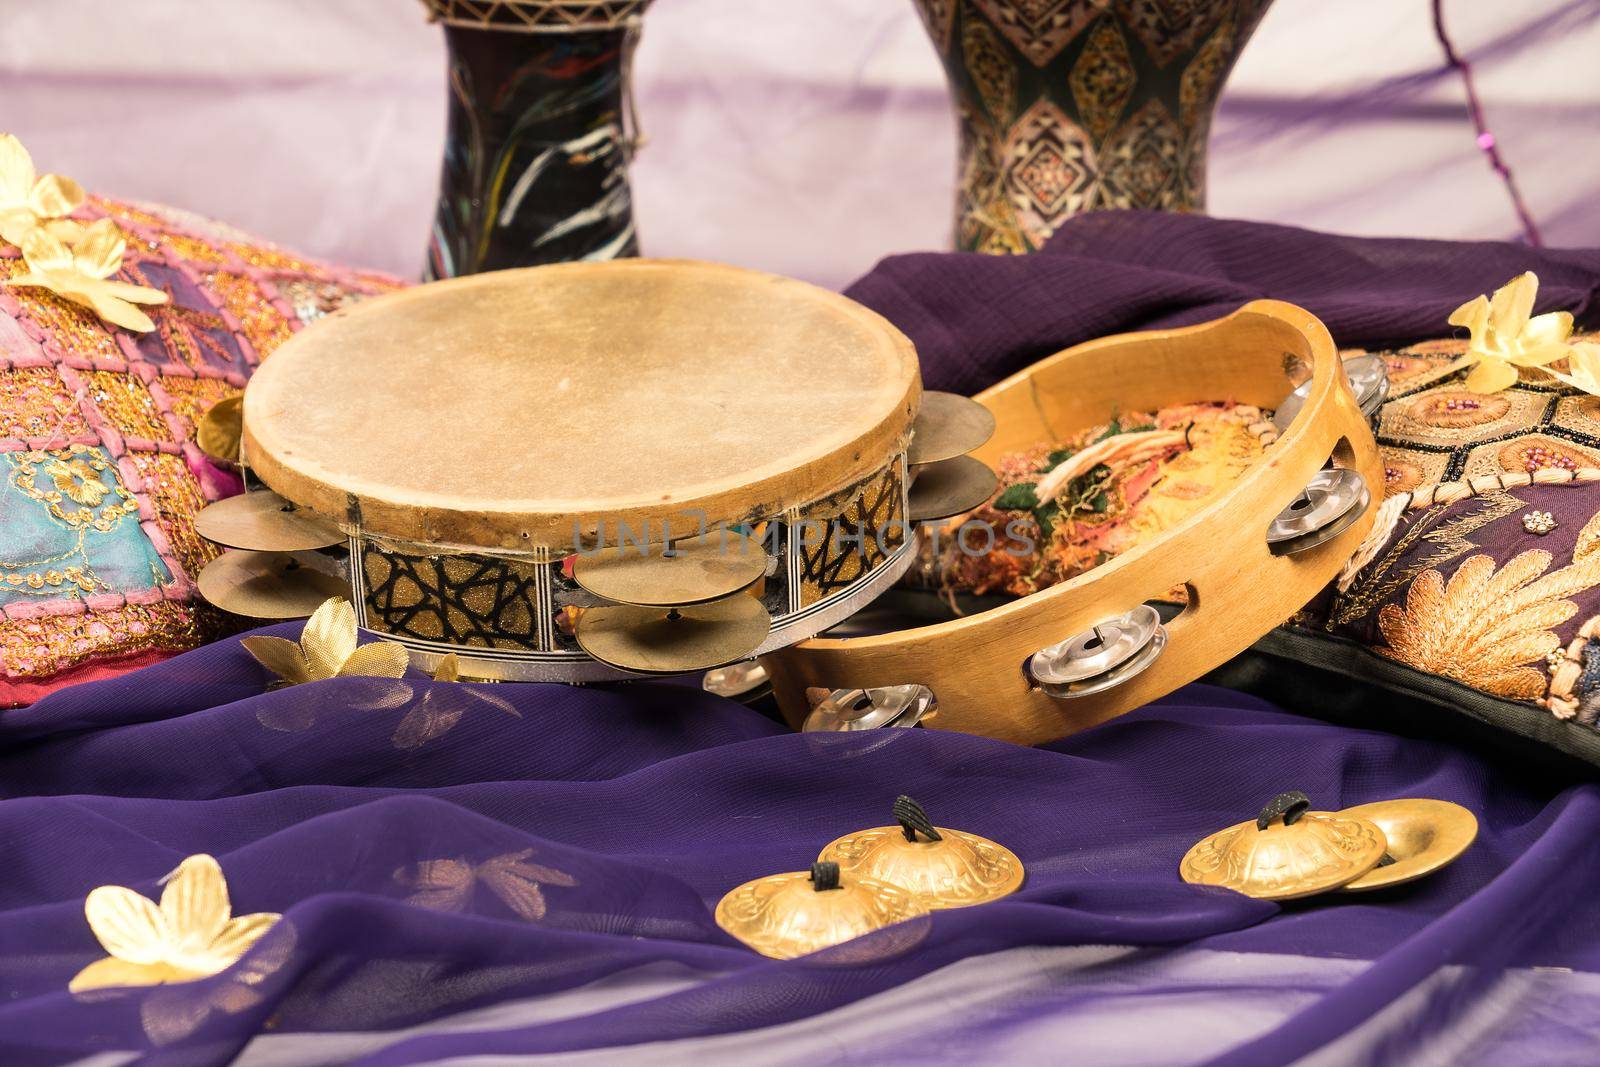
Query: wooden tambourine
[1086, 650]
[580, 471]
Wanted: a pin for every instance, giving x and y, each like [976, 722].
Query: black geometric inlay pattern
[460, 600]
[856, 540]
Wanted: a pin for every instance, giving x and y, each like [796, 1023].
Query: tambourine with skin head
[1088, 649]
[585, 471]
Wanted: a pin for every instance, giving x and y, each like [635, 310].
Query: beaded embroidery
[98, 465]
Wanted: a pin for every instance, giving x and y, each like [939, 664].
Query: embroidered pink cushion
[100, 478]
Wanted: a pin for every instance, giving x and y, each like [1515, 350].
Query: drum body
[538, 142]
[1238, 587]
[487, 443]
[510, 619]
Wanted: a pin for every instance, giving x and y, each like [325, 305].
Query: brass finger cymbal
[799, 912]
[1423, 835]
[948, 425]
[221, 428]
[941, 867]
[950, 487]
[1286, 852]
[654, 640]
[271, 585]
[691, 570]
[265, 522]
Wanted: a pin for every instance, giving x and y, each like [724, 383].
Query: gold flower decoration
[1486, 627]
[1505, 337]
[447, 884]
[78, 480]
[193, 934]
[83, 274]
[328, 649]
[29, 202]
[1583, 367]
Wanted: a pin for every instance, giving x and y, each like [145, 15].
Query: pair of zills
[867, 880]
[1289, 851]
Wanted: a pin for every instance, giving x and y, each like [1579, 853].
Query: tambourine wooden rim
[1238, 589]
[664, 394]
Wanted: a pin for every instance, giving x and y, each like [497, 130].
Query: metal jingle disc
[265, 522]
[1423, 835]
[948, 425]
[1135, 665]
[692, 570]
[950, 487]
[1335, 499]
[1109, 644]
[694, 637]
[892, 706]
[738, 681]
[220, 430]
[270, 585]
[1369, 381]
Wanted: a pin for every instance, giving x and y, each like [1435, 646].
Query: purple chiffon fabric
[448, 858]
[478, 873]
[976, 319]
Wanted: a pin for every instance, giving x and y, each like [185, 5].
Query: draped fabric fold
[976, 319]
[536, 876]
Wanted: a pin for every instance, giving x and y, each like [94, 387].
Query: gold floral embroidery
[1485, 628]
[447, 884]
[78, 480]
[76, 476]
[192, 934]
[328, 649]
[1588, 539]
[1372, 587]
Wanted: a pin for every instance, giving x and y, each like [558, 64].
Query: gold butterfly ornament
[191, 934]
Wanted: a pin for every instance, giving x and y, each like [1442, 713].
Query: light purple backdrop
[809, 137]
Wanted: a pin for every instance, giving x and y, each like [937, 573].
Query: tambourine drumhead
[508, 410]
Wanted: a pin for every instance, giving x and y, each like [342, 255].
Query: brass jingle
[695, 637]
[1424, 836]
[691, 570]
[271, 585]
[789, 915]
[263, 521]
[1335, 498]
[746, 680]
[1310, 853]
[949, 487]
[896, 706]
[945, 869]
[221, 429]
[948, 425]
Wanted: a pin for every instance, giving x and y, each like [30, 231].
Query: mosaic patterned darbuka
[1068, 106]
[539, 139]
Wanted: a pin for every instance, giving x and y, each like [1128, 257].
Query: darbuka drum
[536, 462]
[1082, 651]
